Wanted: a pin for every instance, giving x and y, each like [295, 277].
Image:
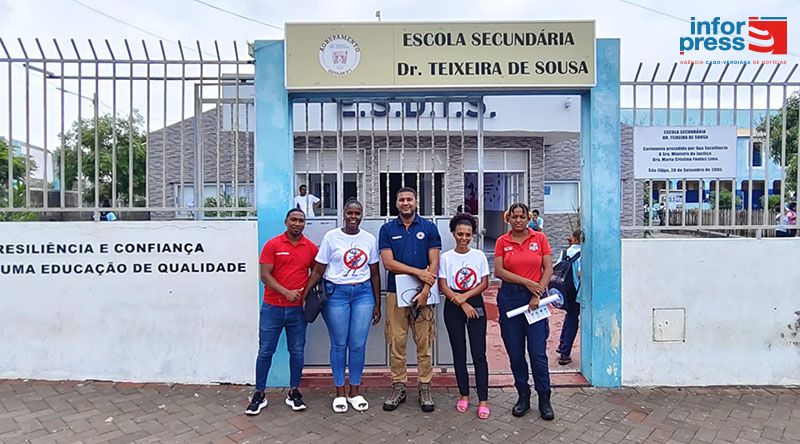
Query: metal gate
[146, 131]
[761, 101]
[368, 149]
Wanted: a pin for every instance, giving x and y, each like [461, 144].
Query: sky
[647, 36]
[649, 30]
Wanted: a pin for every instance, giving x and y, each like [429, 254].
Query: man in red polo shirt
[286, 261]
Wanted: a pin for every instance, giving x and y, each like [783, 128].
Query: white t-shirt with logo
[463, 271]
[306, 203]
[348, 256]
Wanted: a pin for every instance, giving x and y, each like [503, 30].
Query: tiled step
[443, 377]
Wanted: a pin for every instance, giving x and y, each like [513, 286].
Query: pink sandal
[462, 405]
[483, 412]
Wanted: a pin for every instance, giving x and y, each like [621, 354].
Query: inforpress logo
[766, 35]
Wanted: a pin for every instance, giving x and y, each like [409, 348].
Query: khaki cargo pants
[424, 329]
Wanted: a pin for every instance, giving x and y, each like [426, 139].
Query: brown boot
[425, 398]
[397, 397]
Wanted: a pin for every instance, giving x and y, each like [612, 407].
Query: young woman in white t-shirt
[348, 261]
[463, 276]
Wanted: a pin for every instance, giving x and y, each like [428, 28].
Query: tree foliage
[18, 184]
[776, 140]
[18, 165]
[127, 137]
[725, 200]
[227, 201]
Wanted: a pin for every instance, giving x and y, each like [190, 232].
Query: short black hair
[463, 219]
[407, 190]
[535, 211]
[516, 205]
[293, 210]
[352, 201]
[302, 186]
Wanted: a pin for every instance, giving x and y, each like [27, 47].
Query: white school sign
[684, 152]
[129, 301]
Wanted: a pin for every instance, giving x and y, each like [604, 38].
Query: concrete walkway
[67, 412]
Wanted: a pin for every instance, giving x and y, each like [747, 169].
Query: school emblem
[466, 278]
[339, 54]
[533, 246]
[420, 235]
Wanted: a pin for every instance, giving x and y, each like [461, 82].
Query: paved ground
[62, 412]
[496, 352]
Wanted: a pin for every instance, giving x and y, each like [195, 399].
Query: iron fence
[761, 101]
[149, 130]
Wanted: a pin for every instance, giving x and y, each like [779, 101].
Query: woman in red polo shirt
[522, 261]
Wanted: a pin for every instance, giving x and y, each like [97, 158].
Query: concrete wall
[188, 327]
[710, 312]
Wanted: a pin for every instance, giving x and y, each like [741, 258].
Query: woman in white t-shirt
[348, 261]
[463, 276]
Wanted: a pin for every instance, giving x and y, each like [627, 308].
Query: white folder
[409, 287]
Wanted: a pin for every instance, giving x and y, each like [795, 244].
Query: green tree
[227, 201]
[18, 184]
[725, 200]
[776, 140]
[18, 165]
[773, 203]
[106, 136]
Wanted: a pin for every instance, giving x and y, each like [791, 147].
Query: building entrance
[440, 139]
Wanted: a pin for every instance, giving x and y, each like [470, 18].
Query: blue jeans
[516, 332]
[348, 315]
[273, 320]
[569, 330]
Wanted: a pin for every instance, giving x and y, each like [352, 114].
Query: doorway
[500, 190]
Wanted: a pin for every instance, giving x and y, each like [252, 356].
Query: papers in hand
[534, 315]
[408, 287]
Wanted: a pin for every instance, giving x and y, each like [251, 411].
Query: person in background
[108, 216]
[285, 264]
[463, 276]
[536, 223]
[306, 202]
[572, 304]
[789, 220]
[348, 259]
[522, 261]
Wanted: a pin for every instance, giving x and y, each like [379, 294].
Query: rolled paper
[553, 298]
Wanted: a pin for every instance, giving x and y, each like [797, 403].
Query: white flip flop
[339, 404]
[359, 403]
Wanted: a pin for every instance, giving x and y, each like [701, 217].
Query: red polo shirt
[524, 259]
[292, 264]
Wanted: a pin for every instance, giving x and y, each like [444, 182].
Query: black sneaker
[257, 403]
[295, 400]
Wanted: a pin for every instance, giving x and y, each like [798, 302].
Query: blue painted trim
[601, 357]
[274, 166]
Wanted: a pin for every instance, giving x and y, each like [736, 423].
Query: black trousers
[458, 325]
